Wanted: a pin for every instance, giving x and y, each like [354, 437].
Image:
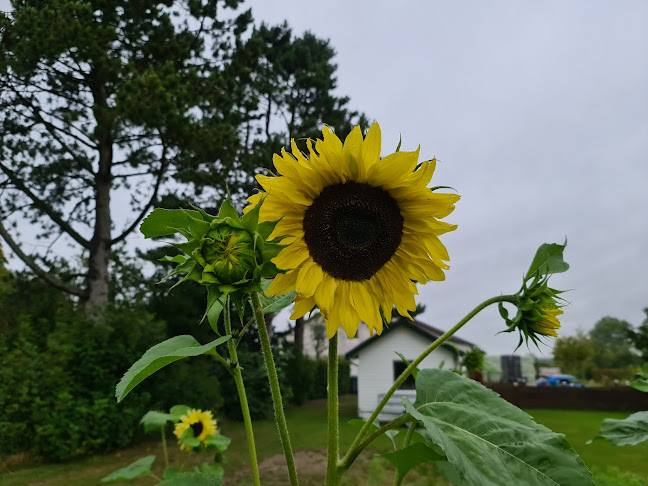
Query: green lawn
[308, 432]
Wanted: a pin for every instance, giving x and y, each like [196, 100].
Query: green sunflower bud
[227, 253]
[538, 305]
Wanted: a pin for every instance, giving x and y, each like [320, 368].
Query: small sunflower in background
[360, 229]
[202, 425]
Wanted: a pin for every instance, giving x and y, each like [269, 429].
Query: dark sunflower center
[197, 428]
[352, 230]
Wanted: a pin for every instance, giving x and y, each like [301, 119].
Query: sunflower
[201, 423]
[361, 230]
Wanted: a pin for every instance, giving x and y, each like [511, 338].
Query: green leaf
[163, 222]
[171, 472]
[159, 356]
[193, 479]
[214, 470]
[641, 380]
[629, 431]
[413, 455]
[155, 420]
[548, 260]
[488, 440]
[141, 467]
[228, 211]
[219, 442]
[214, 307]
[178, 411]
[272, 303]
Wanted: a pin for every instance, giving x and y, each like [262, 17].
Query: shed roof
[430, 332]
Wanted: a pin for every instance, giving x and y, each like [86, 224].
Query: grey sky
[538, 114]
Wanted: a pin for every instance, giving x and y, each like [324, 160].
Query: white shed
[379, 365]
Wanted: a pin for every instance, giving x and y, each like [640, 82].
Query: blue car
[559, 380]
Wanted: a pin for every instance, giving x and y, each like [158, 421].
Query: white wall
[376, 369]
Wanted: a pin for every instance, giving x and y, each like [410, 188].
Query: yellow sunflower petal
[292, 256]
[391, 170]
[352, 154]
[310, 277]
[283, 283]
[365, 304]
[325, 294]
[302, 307]
[371, 146]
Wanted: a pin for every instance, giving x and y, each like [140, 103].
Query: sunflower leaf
[141, 467]
[275, 303]
[489, 440]
[548, 260]
[219, 442]
[629, 431]
[155, 420]
[178, 411]
[164, 222]
[413, 455]
[159, 356]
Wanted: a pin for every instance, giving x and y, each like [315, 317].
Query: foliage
[639, 337]
[473, 360]
[612, 347]
[488, 440]
[56, 377]
[574, 354]
[147, 98]
[139, 468]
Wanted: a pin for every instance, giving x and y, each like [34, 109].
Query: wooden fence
[617, 398]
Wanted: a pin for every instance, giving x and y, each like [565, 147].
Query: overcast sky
[538, 115]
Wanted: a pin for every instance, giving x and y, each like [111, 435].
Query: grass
[308, 433]
[581, 426]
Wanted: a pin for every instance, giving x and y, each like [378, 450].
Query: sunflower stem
[333, 412]
[235, 370]
[358, 444]
[164, 449]
[280, 418]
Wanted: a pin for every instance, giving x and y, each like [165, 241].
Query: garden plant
[350, 233]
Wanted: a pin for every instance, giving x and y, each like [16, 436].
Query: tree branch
[148, 205]
[47, 277]
[44, 207]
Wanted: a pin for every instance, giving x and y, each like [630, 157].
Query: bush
[57, 388]
[607, 376]
[613, 476]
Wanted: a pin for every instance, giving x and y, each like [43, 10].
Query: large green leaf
[159, 356]
[155, 420]
[629, 431]
[548, 259]
[141, 467]
[641, 381]
[412, 456]
[488, 440]
[163, 222]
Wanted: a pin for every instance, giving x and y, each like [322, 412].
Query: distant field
[308, 427]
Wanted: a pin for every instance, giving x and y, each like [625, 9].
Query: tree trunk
[269, 317]
[100, 245]
[299, 335]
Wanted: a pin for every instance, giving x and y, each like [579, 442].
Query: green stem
[333, 411]
[398, 479]
[280, 418]
[235, 370]
[347, 459]
[164, 449]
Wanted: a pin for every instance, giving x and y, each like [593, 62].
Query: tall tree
[639, 337]
[573, 354]
[612, 346]
[109, 107]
